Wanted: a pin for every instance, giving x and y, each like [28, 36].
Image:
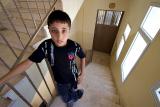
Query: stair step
[32, 4]
[18, 22]
[22, 29]
[13, 40]
[27, 10]
[7, 55]
[24, 15]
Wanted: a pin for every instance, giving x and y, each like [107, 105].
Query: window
[120, 46]
[109, 17]
[150, 24]
[123, 40]
[148, 31]
[127, 31]
[135, 51]
[156, 93]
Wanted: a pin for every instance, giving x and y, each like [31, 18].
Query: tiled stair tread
[12, 37]
[32, 4]
[18, 22]
[8, 56]
[22, 29]
[27, 15]
[33, 10]
[4, 102]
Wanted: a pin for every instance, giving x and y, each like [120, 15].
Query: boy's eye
[54, 31]
[64, 31]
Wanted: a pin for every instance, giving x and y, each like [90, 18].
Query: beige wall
[84, 23]
[136, 89]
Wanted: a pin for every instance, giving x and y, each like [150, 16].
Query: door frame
[104, 18]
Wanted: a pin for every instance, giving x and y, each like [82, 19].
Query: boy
[60, 52]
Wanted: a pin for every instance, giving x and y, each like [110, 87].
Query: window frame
[153, 89]
[122, 72]
[146, 38]
[124, 39]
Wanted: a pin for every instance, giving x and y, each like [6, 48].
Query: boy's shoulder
[72, 43]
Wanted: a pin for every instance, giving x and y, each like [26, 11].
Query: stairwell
[20, 20]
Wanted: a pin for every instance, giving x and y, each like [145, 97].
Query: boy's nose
[60, 35]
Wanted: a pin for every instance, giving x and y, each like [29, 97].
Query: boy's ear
[48, 29]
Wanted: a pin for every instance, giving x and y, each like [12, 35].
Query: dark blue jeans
[67, 92]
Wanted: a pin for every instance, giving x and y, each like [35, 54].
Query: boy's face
[59, 32]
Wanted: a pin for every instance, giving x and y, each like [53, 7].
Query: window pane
[108, 17]
[136, 49]
[117, 18]
[100, 18]
[112, 18]
[127, 31]
[151, 24]
[120, 48]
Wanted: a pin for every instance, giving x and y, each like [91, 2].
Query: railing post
[9, 45]
[21, 96]
[34, 86]
[44, 79]
[6, 65]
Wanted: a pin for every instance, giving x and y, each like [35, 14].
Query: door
[106, 29]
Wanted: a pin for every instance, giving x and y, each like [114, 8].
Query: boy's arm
[20, 68]
[82, 66]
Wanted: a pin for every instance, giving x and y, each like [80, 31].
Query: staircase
[21, 26]
[98, 85]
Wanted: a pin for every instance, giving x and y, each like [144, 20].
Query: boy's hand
[80, 78]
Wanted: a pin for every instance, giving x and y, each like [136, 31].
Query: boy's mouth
[59, 41]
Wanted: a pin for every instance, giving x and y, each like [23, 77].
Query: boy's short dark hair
[58, 15]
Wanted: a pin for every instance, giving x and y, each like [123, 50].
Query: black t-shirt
[61, 59]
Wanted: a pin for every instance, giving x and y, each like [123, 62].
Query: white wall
[72, 7]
